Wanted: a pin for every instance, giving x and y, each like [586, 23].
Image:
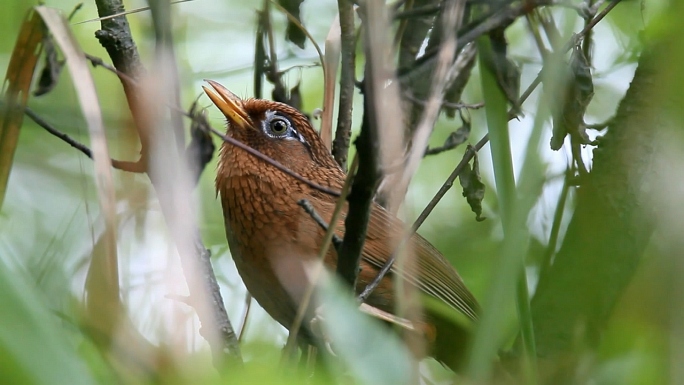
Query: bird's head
[274, 129]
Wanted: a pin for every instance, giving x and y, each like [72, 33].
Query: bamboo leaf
[509, 274]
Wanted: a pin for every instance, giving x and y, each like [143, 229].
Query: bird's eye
[279, 126]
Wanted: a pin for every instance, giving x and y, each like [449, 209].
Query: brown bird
[272, 239]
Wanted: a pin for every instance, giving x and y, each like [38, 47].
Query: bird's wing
[432, 273]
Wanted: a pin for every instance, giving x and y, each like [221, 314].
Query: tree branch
[361, 196]
[116, 38]
[340, 149]
[309, 209]
[134, 167]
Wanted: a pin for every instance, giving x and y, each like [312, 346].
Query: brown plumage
[271, 238]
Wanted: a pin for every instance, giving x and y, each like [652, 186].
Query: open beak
[229, 103]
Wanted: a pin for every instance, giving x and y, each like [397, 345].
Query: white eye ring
[285, 129]
[277, 126]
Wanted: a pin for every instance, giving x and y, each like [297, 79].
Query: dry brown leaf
[16, 91]
[87, 96]
[333, 45]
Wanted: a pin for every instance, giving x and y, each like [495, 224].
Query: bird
[274, 242]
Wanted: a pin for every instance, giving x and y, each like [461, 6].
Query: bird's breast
[272, 250]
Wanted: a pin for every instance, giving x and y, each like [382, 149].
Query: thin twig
[469, 33]
[124, 13]
[309, 209]
[54, 131]
[587, 44]
[245, 318]
[126, 166]
[449, 146]
[470, 153]
[555, 227]
[280, 92]
[134, 167]
[418, 12]
[548, 24]
[438, 150]
[96, 61]
[459, 106]
[590, 25]
[532, 24]
[463, 106]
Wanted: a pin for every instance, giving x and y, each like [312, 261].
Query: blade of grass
[332, 62]
[85, 90]
[510, 274]
[529, 189]
[172, 182]
[132, 11]
[16, 91]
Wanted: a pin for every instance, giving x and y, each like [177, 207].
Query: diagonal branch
[133, 167]
[309, 209]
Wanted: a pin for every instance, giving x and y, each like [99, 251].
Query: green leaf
[15, 92]
[34, 348]
[371, 352]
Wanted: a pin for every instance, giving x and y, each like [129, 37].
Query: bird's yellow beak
[229, 103]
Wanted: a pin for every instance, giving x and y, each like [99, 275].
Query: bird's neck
[236, 162]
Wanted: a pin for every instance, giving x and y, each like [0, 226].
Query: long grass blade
[509, 276]
[88, 100]
[333, 44]
[16, 91]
